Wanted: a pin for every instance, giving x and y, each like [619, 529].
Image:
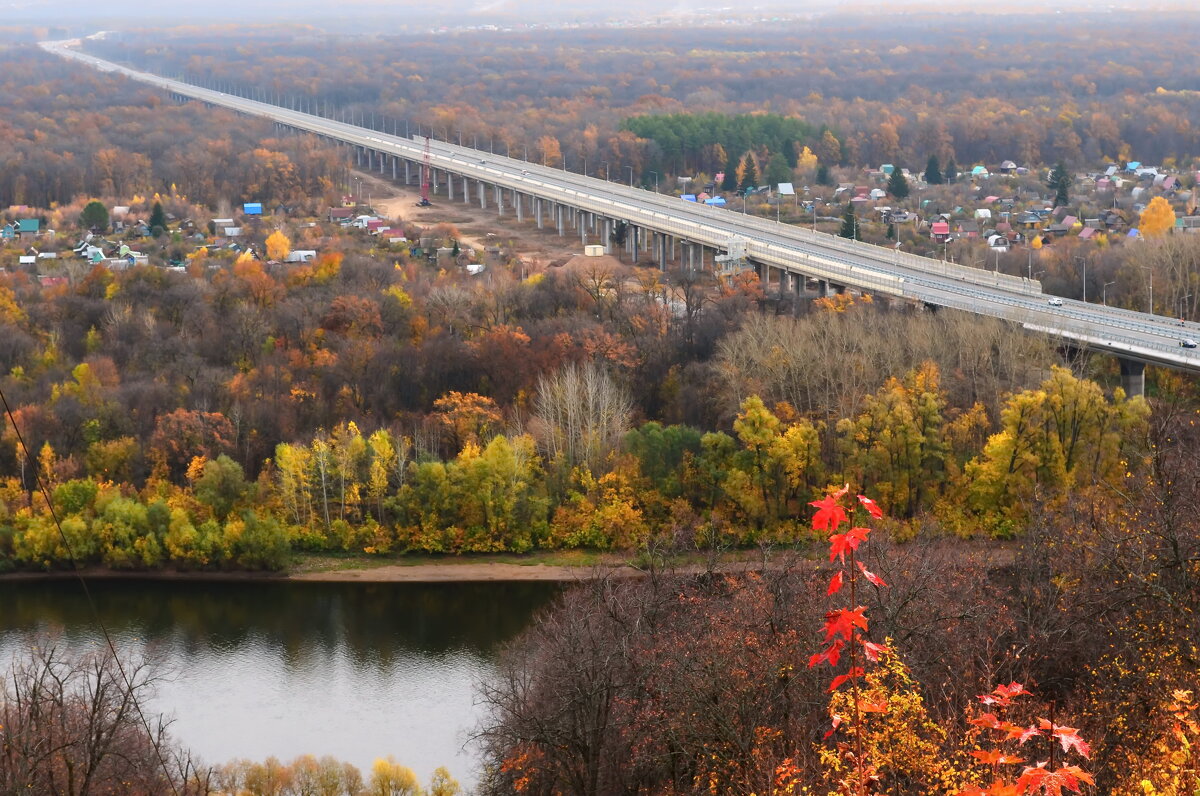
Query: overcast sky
[368, 14]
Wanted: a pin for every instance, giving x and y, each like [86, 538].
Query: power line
[154, 738]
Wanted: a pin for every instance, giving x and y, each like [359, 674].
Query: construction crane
[426, 169]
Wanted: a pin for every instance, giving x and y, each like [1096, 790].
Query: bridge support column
[466, 191]
[382, 162]
[393, 169]
[662, 252]
[449, 187]
[537, 209]
[517, 203]
[606, 235]
[1133, 377]
[822, 288]
[482, 196]
[407, 176]
[499, 200]
[558, 216]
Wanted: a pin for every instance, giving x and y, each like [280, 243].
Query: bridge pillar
[482, 196]
[1133, 377]
[499, 196]
[822, 288]
[407, 176]
[558, 215]
[517, 203]
[393, 169]
[466, 191]
[449, 187]
[662, 252]
[382, 161]
[537, 209]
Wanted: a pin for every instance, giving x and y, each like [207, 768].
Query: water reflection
[283, 668]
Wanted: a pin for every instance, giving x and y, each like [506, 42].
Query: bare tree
[580, 414]
[71, 725]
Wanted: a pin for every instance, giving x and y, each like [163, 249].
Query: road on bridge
[1134, 337]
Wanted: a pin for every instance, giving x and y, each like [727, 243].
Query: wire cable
[154, 738]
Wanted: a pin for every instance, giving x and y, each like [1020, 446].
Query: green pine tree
[933, 171]
[950, 173]
[849, 223]
[730, 183]
[95, 214]
[897, 183]
[1060, 181]
[778, 170]
[749, 173]
[823, 177]
[158, 220]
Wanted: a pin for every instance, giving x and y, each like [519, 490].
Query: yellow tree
[1158, 218]
[389, 778]
[550, 149]
[278, 245]
[807, 161]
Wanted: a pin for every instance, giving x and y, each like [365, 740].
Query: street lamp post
[605, 162]
[1151, 272]
[655, 173]
[630, 175]
[1182, 304]
[1083, 260]
[1104, 292]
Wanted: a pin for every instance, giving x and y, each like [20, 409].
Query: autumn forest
[864, 547]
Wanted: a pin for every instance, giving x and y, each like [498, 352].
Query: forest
[966, 562]
[889, 89]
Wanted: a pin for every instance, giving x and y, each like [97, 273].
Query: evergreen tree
[849, 223]
[778, 170]
[749, 173]
[158, 220]
[897, 183]
[823, 177]
[1060, 181]
[95, 214]
[729, 183]
[950, 174]
[933, 171]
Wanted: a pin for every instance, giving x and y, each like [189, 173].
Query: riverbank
[548, 567]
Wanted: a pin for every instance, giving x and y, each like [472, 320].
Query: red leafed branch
[845, 628]
[1041, 779]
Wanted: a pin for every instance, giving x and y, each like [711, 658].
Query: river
[259, 668]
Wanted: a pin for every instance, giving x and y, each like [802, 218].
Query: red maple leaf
[853, 674]
[871, 506]
[873, 650]
[987, 720]
[1051, 783]
[832, 654]
[842, 543]
[843, 621]
[830, 513]
[1068, 737]
[995, 757]
[1022, 734]
[835, 584]
[871, 577]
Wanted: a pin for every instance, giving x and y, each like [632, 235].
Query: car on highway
[1055, 302]
[1187, 342]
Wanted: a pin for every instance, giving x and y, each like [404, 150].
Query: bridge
[695, 235]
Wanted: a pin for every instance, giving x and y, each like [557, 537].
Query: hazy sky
[369, 14]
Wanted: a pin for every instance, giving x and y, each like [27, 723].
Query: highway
[1133, 336]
